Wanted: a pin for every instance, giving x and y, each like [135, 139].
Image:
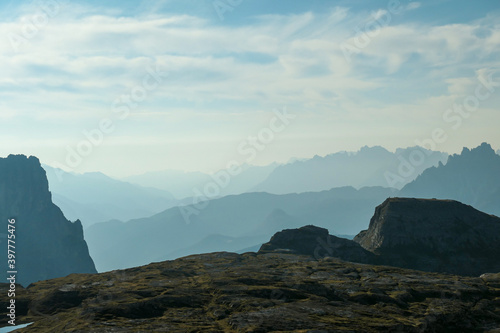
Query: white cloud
[413, 5]
[83, 59]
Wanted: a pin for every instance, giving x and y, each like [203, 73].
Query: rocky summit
[272, 292]
[46, 244]
[425, 234]
[433, 235]
[316, 242]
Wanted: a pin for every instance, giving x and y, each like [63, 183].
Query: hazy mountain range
[249, 219]
[95, 197]
[184, 184]
[241, 221]
[370, 166]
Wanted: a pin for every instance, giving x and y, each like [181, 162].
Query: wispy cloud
[86, 57]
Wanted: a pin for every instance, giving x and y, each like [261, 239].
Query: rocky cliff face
[433, 235]
[424, 234]
[47, 245]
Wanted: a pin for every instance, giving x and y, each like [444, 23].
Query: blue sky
[352, 73]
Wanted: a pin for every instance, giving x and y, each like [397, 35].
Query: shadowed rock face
[434, 235]
[425, 234]
[273, 292]
[47, 245]
[316, 242]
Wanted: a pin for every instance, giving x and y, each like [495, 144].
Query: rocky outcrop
[434, 235]
[46, 244]
[273, 292]
[314, 241]
[424, 234]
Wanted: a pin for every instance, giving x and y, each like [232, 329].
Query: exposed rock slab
[273, 292]
[434, 235]
[316, 242]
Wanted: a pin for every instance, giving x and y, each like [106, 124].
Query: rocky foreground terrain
[302, 280]
[273, 292]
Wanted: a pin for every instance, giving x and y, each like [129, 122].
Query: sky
[126, 87]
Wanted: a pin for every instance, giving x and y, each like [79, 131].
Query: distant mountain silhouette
[367, 167]
[370, 166]
[473, 177]
[94, 197]
[215, 243]
[276, 220]
[118, 245]
[183, 184]
[179, 183]
[47, 245]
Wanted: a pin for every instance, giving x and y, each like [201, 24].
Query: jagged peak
[22, 157]
[373, 149]
[483, 149]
